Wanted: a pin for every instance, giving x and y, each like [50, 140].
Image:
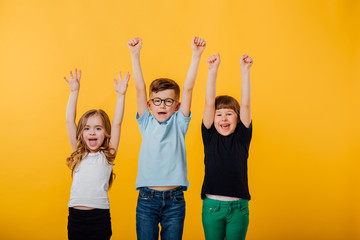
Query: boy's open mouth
[92, 141]
[161, 113]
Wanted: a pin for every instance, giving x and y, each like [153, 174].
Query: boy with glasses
[162, 168]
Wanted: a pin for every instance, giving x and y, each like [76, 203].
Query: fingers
[120, 78]
[127, 77]
[135, 41]
[76, 76]
[66, 80]
[214, 58]
[200, 42]
[246, 59]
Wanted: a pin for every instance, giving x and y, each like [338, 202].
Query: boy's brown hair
[225, 101]
[162, 84]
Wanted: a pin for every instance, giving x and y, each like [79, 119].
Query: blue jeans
[164, 207]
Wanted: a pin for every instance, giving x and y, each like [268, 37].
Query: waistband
[172, 192]
[88, 212]
[218, 203]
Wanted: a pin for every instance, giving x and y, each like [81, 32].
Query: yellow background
[304, 156]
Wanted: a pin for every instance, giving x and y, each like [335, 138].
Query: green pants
[225, 219]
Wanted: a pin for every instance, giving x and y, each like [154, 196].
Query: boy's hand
[135, 45]
[198, 45]
[74, 82]
[214, 62]
[245, 62]
[122, 85]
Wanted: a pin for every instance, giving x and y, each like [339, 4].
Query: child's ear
[148, 104]
[178, 106]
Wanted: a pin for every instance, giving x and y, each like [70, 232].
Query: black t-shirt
[226, 162]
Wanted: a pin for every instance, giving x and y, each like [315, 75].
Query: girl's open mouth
[92, 141]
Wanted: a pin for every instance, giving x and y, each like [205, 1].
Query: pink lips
[92, 142]
[225, 126]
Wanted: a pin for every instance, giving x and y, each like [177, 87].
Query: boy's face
[225, 121]
[163, 112]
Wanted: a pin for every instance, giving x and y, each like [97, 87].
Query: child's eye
[98, 128]
[168, 102]
[86, 128]
[229, 114]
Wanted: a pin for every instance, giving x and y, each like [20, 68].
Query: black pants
[89, 224]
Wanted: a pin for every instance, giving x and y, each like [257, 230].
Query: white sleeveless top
[91, 182]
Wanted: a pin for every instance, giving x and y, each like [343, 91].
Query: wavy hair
[82, 150]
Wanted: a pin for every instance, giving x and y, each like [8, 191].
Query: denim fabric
[222, 219]
[164, 207]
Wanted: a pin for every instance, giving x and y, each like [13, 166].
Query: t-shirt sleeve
[143, 120]
[206, 133]
[183, 121]
[244, 133]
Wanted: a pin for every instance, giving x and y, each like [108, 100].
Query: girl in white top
[94, 143]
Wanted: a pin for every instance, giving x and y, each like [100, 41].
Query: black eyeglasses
[167, 101]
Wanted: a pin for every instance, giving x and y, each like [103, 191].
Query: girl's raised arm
[209, 110]
[120, 88]
[74, 84]
[245, 111]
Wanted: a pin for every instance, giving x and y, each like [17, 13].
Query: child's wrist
[135, 54]
[245, 71]
[196, 55]
[213, 70]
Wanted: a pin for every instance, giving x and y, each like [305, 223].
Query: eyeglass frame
[163, 100]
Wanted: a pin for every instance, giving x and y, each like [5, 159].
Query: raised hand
[74, 82]
[213, 62]
[135, 45]
[122, 85]
[245, 62]
[198, 45]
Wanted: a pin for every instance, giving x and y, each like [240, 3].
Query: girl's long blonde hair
[82, 150]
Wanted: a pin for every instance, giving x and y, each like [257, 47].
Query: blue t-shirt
[162, 158]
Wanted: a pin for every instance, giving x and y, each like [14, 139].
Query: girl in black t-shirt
[226, 132]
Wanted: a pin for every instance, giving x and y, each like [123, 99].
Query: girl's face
[225, 121]
[94, 133]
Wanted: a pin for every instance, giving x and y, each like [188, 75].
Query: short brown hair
[162, 84]
[225, 101]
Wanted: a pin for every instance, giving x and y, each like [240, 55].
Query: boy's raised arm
[134, 47]
[245, 111]
[74, 84]
[209, 109]
[198, 46]
[120, 88]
